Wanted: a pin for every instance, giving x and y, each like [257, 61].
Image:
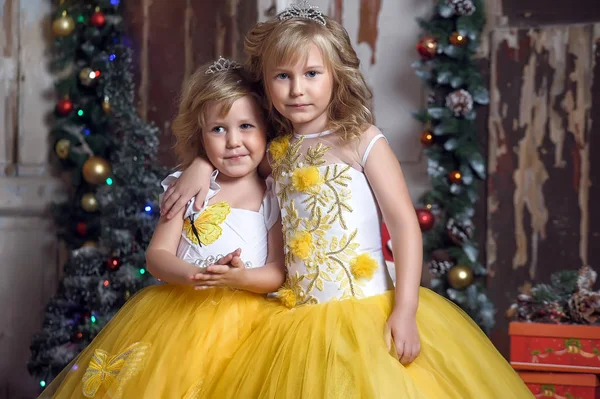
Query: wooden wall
[545, 95]
[170, 40]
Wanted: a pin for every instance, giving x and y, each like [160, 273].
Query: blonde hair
[199, 91]
[282, 42]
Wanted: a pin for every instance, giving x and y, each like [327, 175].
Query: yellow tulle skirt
[341, 349]
[162, 344]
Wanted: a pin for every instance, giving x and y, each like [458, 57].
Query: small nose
[297, 88]
[233, 138]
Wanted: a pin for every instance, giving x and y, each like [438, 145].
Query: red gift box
[562, 386]
[555, 347]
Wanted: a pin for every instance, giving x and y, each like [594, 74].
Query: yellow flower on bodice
[206, 226]
[301, 244]
[307, 179]
[279, 147]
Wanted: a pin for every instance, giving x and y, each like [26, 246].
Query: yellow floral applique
[301, 244]
[278, 148]
[363, 266]
[291, 293]
[104, 369]
[307, 179]
[206, 225]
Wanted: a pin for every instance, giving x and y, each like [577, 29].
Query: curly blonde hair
[199, 91]
[277, 42]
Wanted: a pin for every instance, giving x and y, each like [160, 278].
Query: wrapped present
[555, 347]
[562, 385]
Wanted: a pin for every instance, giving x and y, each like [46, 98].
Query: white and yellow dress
[330, 340]
[166, 339]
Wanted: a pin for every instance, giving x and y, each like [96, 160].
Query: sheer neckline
[313, 135]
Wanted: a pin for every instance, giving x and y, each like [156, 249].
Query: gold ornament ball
[62, 148]
[106, 105]
[63, 26]
[96, 170]
[89, 203]
[457, 39]
[87, 76]
[460, 277]
[90, 244]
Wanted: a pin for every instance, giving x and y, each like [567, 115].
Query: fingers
[200, 199]
[217, 269]
[177, 206]
[400, 351]
[237, 262]
[169, 200]
[225, 260]
[408, 353]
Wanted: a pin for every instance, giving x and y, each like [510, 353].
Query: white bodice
[332, 224]
[221, 229]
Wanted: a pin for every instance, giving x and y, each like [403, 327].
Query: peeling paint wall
[544, 92]
[29, 274]
[171, 39]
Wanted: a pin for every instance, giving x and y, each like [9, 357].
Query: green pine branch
[455, 148]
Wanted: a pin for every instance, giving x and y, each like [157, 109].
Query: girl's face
[301, 92]
[235, 143]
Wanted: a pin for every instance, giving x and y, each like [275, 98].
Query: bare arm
[386, 178]
[161, 259]
[387, 181]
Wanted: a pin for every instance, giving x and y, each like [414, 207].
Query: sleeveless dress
[167, 338]
[329, 339]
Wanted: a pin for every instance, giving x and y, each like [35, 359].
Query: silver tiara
[302, 9]
[221, 65]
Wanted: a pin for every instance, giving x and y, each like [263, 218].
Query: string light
[109, 181]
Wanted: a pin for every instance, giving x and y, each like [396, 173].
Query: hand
[227, 272]
[194, 181]
[403, 326]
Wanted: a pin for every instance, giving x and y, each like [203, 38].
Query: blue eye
[311, 74]
[246, 126]
[282, 76]
[218, 129]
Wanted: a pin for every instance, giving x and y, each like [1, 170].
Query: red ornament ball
[427, 138]
[426, 219]
[114, 263]
[427, 47]
[81, 228]
[97, 19]
[64, 107]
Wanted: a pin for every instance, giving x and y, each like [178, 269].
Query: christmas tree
[110, 154]
[455, 162]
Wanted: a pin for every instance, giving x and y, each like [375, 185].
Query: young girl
[345, 332]
[168, 338]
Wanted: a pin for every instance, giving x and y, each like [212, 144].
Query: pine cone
[462, 7]
[440, 263]
[586, 278]
[460, 102]
[584, 307]
[459, 230]
[439, 268]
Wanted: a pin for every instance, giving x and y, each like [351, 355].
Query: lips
[236, 157]
[298, 105]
